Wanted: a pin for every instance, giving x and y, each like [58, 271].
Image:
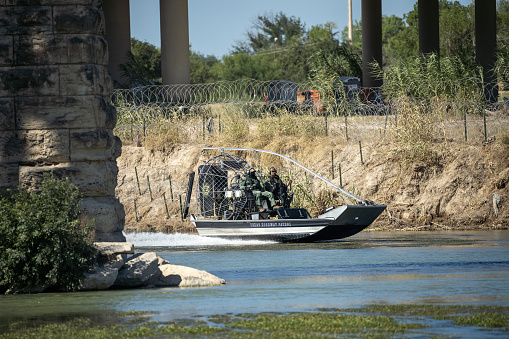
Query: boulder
[137, 270]
[161, 261]
[182, 276]
[107, 248]
[103, 277]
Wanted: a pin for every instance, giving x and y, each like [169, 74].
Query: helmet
[272, 169]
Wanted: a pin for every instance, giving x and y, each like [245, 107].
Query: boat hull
[340, 223]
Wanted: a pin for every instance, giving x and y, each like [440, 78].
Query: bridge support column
[175, 65]
[486, 45]
[371, 41]
[118, 36]
[55, 114]
[429, 38]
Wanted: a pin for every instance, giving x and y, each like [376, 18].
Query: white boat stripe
[257, 231]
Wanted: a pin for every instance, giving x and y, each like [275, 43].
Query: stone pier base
[54, 104]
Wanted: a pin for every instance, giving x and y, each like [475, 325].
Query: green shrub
[43, 243]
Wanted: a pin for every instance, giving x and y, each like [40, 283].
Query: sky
[215, 25]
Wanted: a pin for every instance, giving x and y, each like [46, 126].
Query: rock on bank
[116, 270]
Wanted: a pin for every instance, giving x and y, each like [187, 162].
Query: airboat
[224, 210]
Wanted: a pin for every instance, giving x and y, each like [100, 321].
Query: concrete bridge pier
[486, 45]
[55, 114]
[118, 36]
[428, 15]
[175, 64]
[371, 43]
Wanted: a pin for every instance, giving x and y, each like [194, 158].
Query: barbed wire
[191, 113]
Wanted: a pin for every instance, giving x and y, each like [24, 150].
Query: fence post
[332, 162]
[385, 125]
[346, 127]
[137, 180]
[171, 188]
[203, 125]
[484, 122]
[360, 148]
[144, 128]
[181, 212]
[150, 191]
[340, 177]
[135, 211]
[132, 130]
[465, 125]
[166, 206]
[326, 126]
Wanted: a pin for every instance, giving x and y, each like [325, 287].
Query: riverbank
[458, 186]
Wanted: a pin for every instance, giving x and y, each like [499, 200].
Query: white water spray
[148, 239]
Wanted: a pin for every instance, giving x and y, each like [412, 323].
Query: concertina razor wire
[456, 109]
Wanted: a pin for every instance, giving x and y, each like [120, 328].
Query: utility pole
[275, 39]
[350, 24]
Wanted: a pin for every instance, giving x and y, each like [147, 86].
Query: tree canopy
[271, 30]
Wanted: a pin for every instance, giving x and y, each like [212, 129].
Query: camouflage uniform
[278, 188]
[251, 182]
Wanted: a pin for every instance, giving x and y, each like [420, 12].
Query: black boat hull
[339, 223]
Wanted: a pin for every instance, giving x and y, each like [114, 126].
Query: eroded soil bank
[465, 187]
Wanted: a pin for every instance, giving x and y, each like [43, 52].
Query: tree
[400, 40]
[247, 66]
[503, 22]
[269, 27]
[43, 243]
[262, 59]
[204, 69]
[342, 60]
[502, 65]
[457, 31]
[356, 34]
[144, 65]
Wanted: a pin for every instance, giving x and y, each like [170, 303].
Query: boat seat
[293, 213]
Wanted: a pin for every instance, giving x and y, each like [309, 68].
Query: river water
[464, 268]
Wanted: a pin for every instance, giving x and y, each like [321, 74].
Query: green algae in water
[298, 325]
[480, 316]
[319, 324]
[370, 321]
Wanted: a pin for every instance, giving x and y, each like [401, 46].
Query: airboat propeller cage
[241, 162]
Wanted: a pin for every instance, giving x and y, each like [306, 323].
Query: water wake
[148, 239]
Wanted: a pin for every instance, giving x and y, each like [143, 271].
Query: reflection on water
[371, 267]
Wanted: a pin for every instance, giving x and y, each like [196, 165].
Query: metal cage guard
[345, 193]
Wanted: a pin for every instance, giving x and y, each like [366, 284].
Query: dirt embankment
[467, 188]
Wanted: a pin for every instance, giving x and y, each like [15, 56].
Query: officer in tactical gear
[278, 188]
[251, 183]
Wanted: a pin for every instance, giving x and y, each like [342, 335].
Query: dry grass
[413, 126]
